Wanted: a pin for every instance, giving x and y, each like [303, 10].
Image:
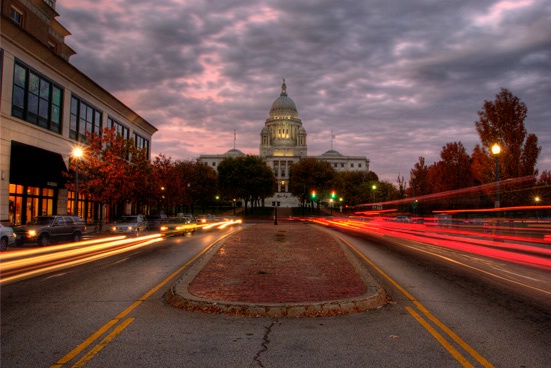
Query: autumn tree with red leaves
[112, 170]
[502, 121]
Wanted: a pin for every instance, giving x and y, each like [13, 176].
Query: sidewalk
[288, 270]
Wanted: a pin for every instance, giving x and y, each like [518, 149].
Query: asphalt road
[442, 314]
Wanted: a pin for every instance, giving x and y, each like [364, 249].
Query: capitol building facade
[283, 142]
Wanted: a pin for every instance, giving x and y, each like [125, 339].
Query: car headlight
[129, 227]
[114, 228]
[164, 228]
[32, 232]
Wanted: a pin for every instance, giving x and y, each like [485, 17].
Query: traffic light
[313, 194]
[333, 194]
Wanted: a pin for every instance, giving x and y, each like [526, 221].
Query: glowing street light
[77, 154]
[496, 149]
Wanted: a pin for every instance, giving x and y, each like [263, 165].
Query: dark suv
[45, 230]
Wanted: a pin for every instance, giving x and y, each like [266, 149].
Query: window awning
[35, 166]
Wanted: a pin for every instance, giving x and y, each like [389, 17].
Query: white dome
[283, 106]
[332, 153]
[234, 153]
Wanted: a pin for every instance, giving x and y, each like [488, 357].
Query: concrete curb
[375, 297]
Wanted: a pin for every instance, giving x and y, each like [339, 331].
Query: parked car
[188, 215]
[403, 219]
[178, 226]
[154, 222]
[45, 230]
[131, 224]
[203, 219]
[475, 221]
[232, 219]
[7, 237]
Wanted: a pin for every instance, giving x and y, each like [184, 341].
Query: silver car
[7, 237]
[131, 224]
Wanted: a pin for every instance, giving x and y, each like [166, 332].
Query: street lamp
[77, 154]
[537, 200]
[373, 189]
[162, 200]
[414, 204]
[496, 149]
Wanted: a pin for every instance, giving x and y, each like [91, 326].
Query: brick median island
[284, 263]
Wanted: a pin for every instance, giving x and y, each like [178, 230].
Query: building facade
[283, 142]
[47, 107]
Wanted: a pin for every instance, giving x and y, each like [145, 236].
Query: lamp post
[496, 149]
[537, 200]
[77, 154]
[373, 189]
[414, 204]
[162, 200]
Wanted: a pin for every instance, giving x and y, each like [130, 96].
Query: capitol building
[283, 142]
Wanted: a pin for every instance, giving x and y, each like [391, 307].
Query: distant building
[47, 106]
[283, 141]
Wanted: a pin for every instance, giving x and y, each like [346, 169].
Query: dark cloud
[393, 80]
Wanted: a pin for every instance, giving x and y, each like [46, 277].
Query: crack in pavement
[265, 342]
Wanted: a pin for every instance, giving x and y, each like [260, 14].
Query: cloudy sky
[394, 80]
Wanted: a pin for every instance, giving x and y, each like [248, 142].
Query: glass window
[36, 99]
[120, 129]
[84, 118]
[142, 143]
[16, 16]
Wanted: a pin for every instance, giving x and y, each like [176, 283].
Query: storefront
[36, 183]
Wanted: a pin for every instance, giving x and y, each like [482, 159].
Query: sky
[393, 80]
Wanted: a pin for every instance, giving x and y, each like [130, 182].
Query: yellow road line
[453, 351]
[76, 351]
[67, 358]
[103, 343]
[424, 310]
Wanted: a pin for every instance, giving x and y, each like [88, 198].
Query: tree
[502, 121]
[249, 178]
[201, 183]
[311, 175]
[110, 169]
[349, 186]
[166, 185]
[452, 172]
[419, 182]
